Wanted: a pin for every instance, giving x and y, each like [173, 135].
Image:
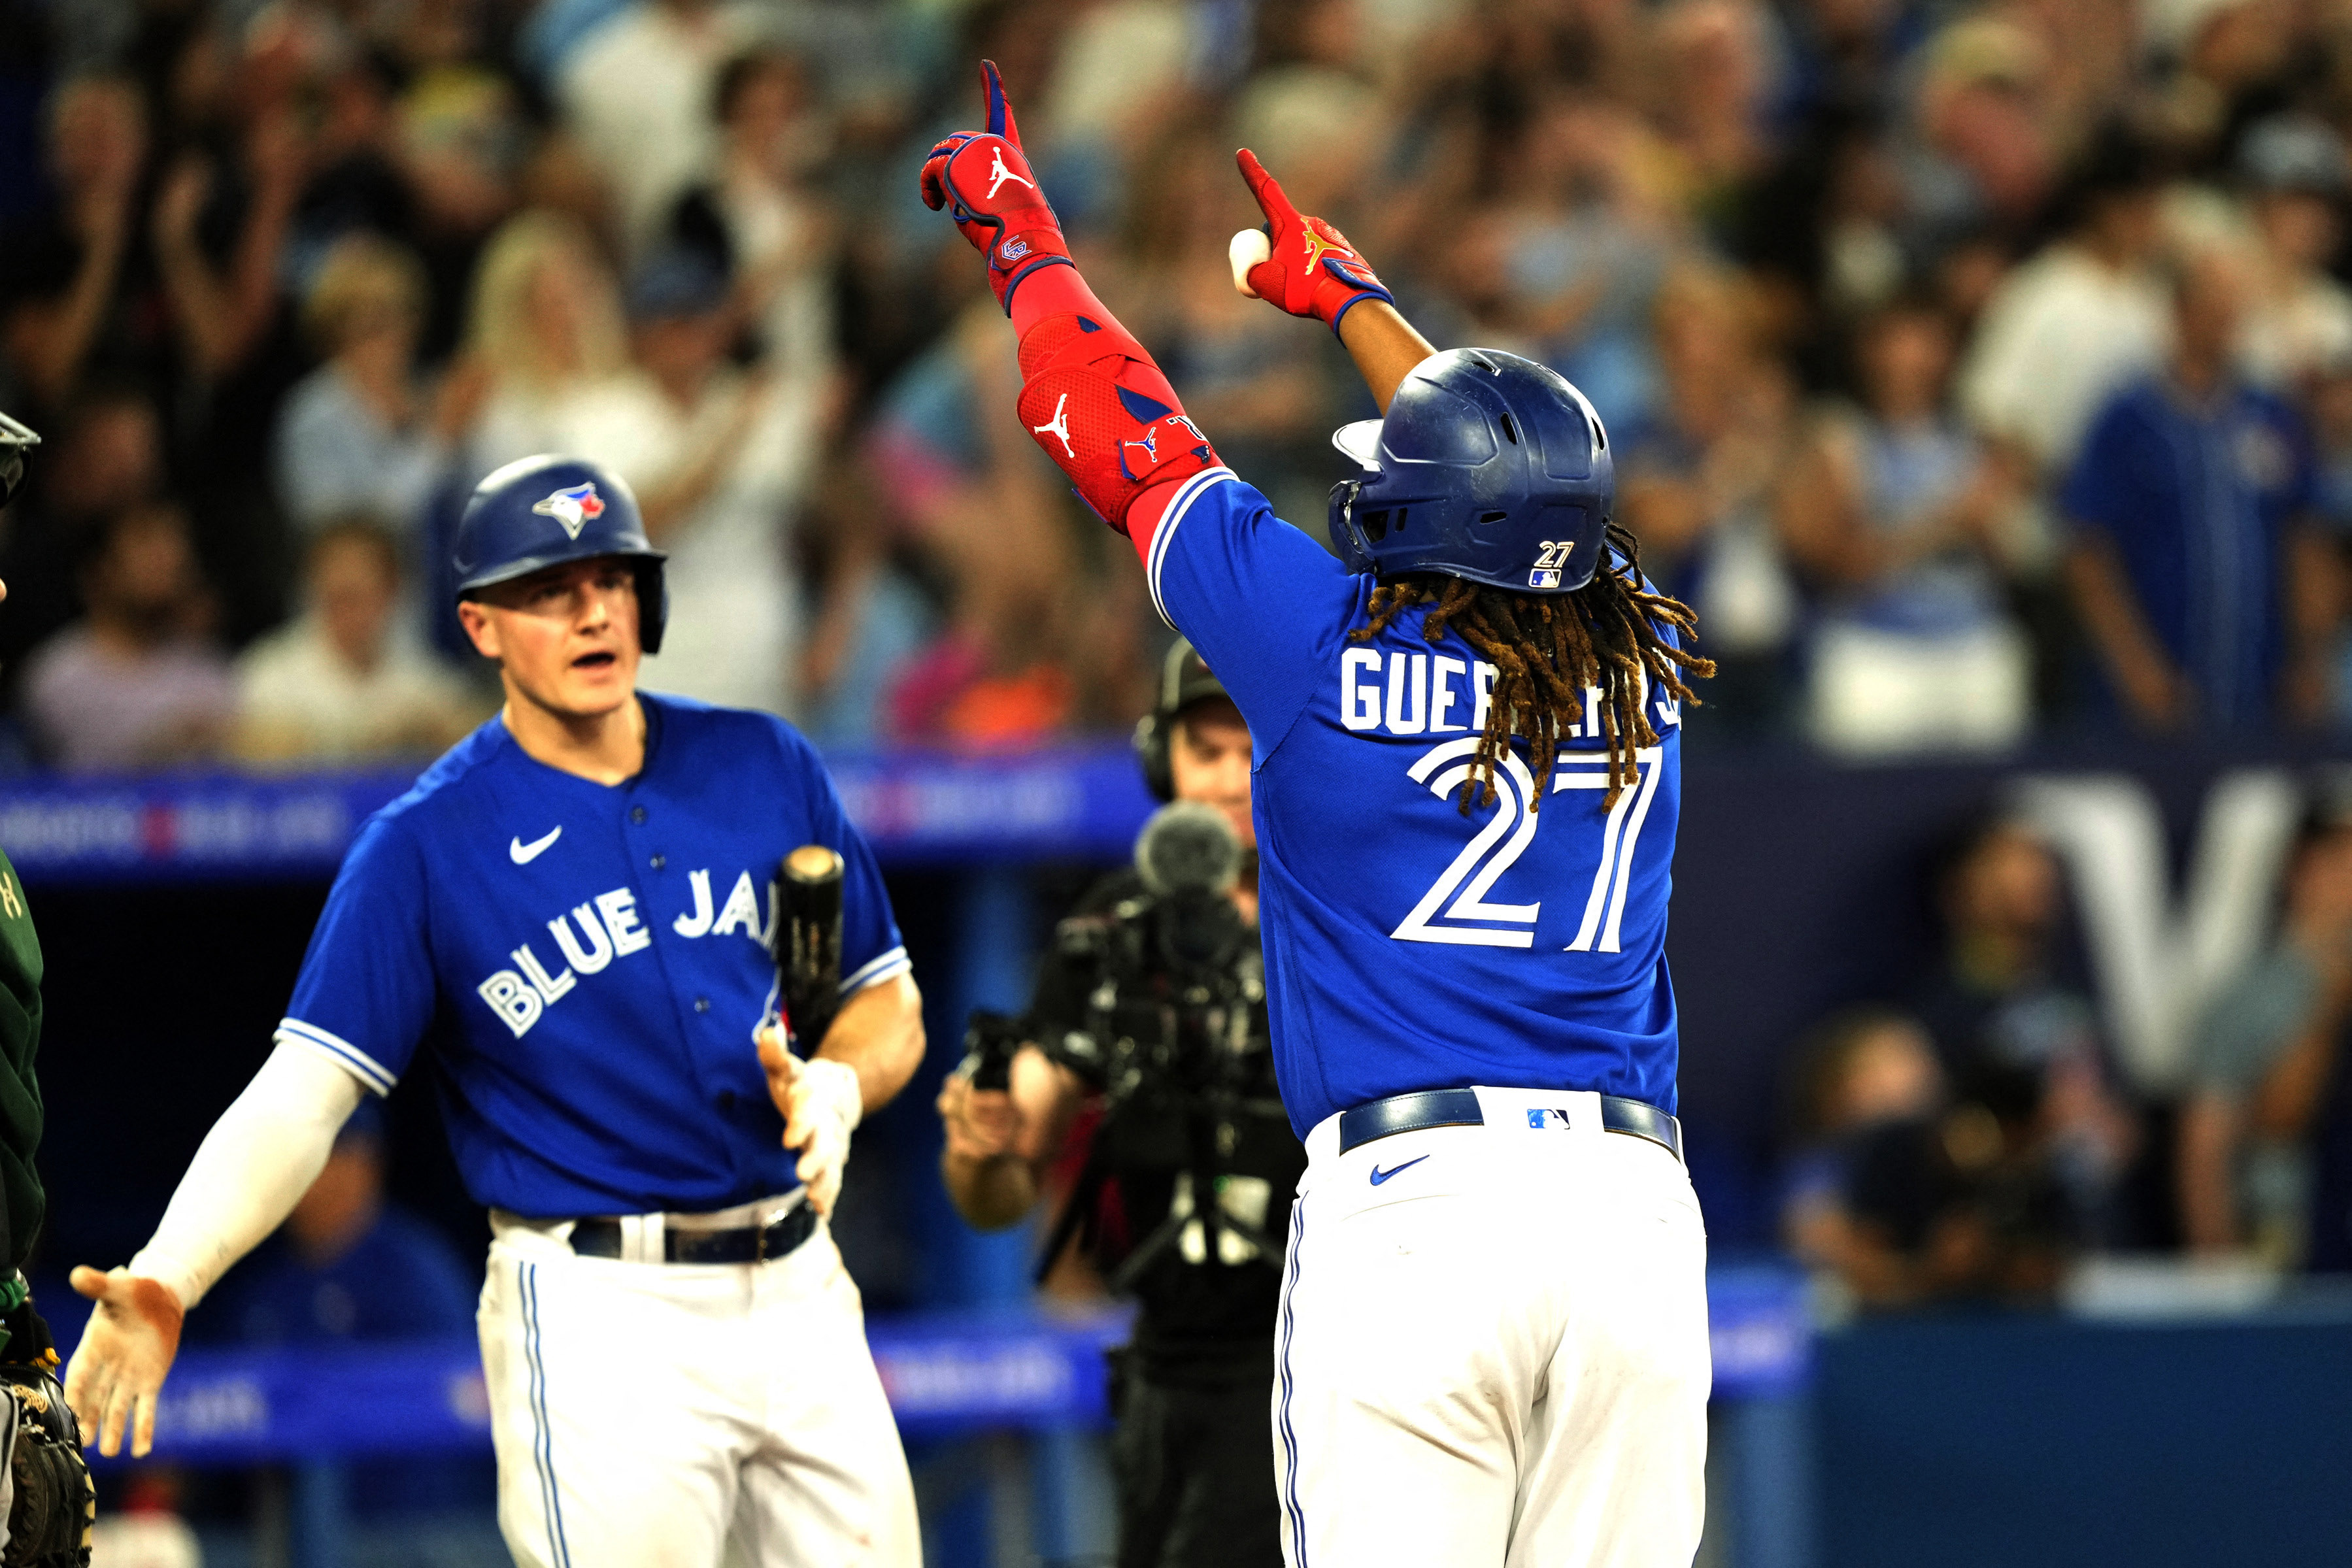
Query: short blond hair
[363, 273]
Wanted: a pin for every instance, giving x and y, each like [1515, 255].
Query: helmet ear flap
[1345, 537]
[653, 605]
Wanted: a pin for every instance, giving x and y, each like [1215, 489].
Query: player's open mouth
[592, 660]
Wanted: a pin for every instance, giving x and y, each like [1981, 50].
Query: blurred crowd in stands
[1974, 1132]
[1978, 371]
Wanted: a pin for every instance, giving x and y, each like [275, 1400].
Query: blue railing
[944, 1372]
[1083, 802]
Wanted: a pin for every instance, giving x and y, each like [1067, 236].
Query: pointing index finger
[999, 108]
[1266, 189]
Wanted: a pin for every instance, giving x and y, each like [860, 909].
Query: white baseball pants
[651, 1414]
[1495, 1354]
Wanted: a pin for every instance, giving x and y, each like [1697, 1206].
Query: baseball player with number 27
[1492, 1341]
[569, 919]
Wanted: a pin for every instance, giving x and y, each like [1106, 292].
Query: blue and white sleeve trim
[875, 970]
[1192, 490]
[341, 1051]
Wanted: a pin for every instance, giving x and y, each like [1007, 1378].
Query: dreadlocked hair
[1549, 650]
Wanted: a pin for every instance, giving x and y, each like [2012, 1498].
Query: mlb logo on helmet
[1543, 579]
[572, 506]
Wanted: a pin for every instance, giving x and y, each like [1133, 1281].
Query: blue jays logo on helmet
[503, 533]
[574, 505]
[1486, 466]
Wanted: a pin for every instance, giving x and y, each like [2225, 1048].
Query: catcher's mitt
[55, 1503]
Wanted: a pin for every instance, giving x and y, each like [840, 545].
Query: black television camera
[1174, 1038]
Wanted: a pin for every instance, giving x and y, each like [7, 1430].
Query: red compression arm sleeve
[1096, 402]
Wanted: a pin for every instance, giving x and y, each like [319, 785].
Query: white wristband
[834, 1086]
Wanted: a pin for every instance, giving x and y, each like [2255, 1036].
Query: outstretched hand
[119, 1368]
[1296, 263]
[983, 180]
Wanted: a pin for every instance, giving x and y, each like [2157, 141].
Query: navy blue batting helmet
[1487, 467]
[543, 511]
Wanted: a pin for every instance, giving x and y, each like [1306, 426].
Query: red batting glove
[984, 180]
[1304, 266]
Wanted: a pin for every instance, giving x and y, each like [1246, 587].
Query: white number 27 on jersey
[1460, 891]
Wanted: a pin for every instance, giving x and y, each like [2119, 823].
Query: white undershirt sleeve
[255, 1165]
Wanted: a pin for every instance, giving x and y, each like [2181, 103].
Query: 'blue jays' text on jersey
[587, 964]
[1409, 946]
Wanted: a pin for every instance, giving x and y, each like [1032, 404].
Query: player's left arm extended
[1091, 395]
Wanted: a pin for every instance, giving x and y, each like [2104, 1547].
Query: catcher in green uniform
[44, 1488]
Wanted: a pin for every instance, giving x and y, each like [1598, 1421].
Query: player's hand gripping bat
[808, 947]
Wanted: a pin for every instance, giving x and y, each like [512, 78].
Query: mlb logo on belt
[573, 507]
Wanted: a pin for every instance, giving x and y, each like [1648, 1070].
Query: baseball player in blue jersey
[1466, 741]
[568, 922]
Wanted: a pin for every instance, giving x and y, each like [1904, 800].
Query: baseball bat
[808, 950]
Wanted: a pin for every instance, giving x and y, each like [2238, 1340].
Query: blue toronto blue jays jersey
[1409, 946]
[586, 964]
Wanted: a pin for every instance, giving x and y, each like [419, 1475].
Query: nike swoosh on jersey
[1380, 1176]
[524, 853]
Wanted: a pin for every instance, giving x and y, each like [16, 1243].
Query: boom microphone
[1189, 848]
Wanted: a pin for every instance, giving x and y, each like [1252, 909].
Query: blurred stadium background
[1981, 373]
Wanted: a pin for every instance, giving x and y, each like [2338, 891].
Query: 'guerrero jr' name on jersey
[1400, 694]
[590, 935]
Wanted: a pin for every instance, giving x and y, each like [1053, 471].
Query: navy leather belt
[1459, 1108]
[744, 1244]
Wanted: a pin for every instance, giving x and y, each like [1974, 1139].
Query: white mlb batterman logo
[573, 507]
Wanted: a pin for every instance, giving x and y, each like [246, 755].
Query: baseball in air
[1249, 247]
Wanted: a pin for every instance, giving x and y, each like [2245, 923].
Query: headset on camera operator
[1153, 998]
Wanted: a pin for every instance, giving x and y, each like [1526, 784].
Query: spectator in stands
[2298, 318]
[358, 435]
[64, 272]
[2012, 1026]
[134, 683]
[720, 458]
[2266, 1061]
[2087, 315]
[1695, 483]
[2189, 496]
[349, 1268]
[546, 324]
[109, 456]
[758, 220]
[349, 1265]
[637, 93]
[339, 683]
[1900, 515]
[1859, 1070]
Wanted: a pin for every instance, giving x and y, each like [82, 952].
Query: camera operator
[1154, 999]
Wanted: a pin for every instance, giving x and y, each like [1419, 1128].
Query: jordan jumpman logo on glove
[1016, 231]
